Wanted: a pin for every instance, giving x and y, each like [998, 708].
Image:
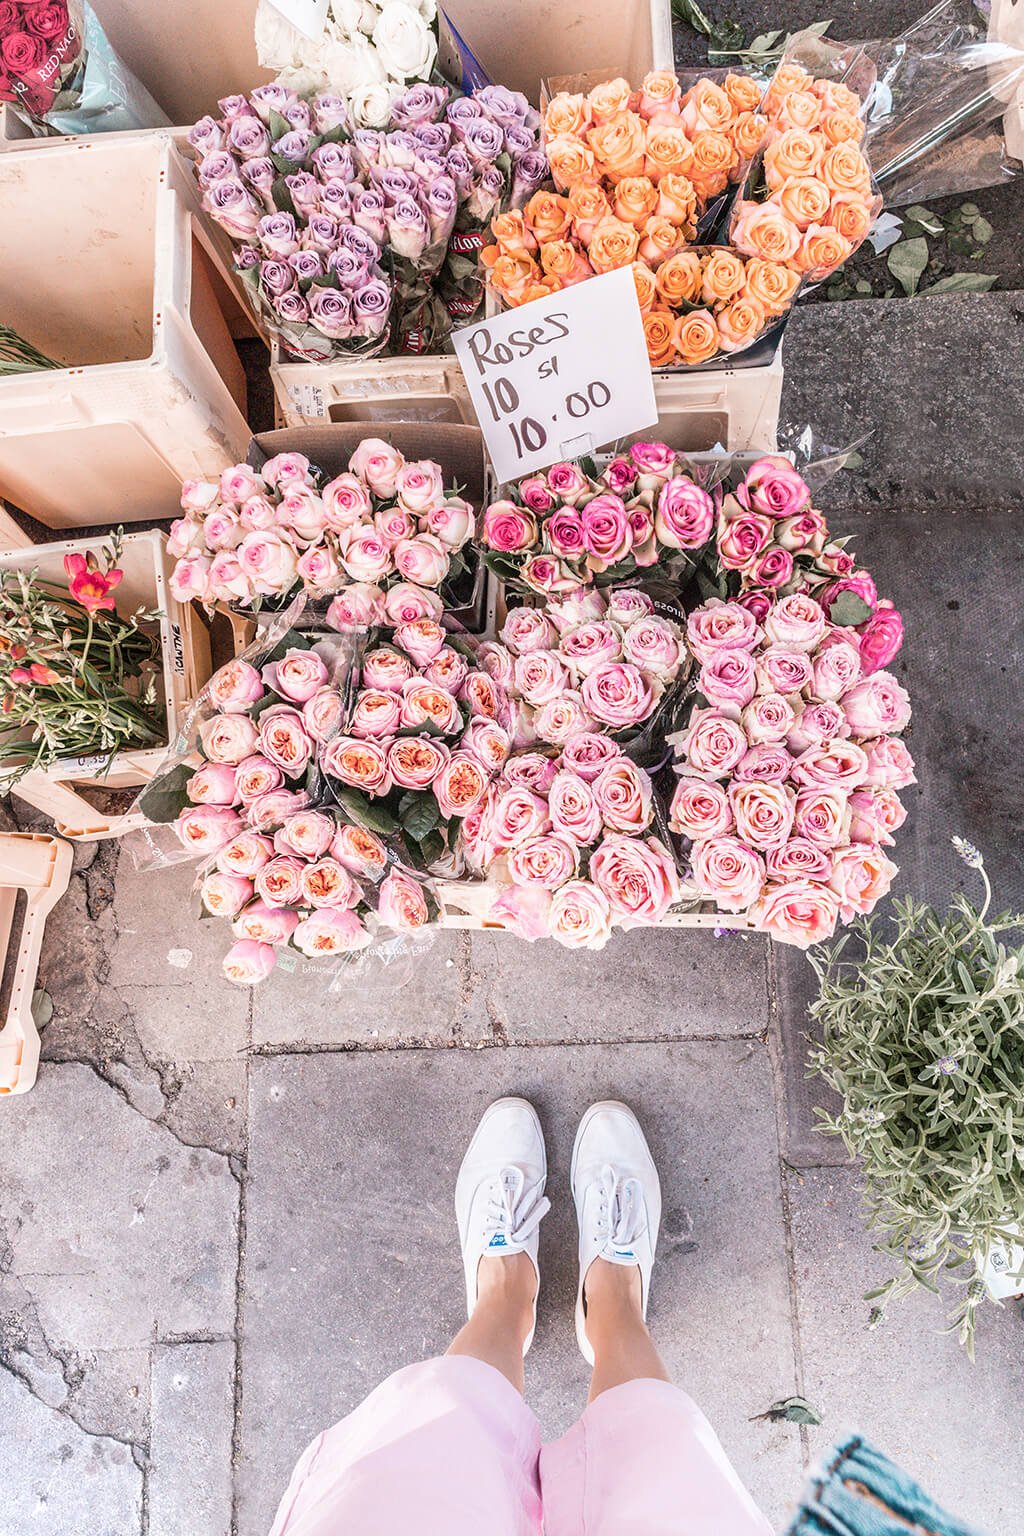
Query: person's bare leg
[623, 1348]
[502, 1317]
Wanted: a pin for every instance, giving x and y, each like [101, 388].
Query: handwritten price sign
[561, 376]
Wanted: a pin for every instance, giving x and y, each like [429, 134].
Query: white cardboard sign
[559, 376]
[308, 16]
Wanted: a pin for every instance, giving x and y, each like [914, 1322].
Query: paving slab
[954, 1426]
[192, 1425]
[662, 984]
[352, 1266]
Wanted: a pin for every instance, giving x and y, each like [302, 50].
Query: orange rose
[646, 289]
[804, 199]
[677, 202]
[618, 145]
[794, 153]
[609, 100]
[714, 156]
[660, 239]
[798, 110]
[788, 77]
[748, 134]
[707, 106]
[743, 91]
[763, 230]
[771, 285]
[612, 245]
[635, 199]
[571, 160]
[509, 274]
[547, 214]
[696, 336]
[566, 114]
[543, 288]
[845, 169]
[564, 260]
[841, 127]
[668, 148]
[659, 331]
[659, 92]
[851, 216]
[739, 324]
[588, 205]
[822, 250]
[509, 229]
[724, 276]
[836, 97]
[678, 280]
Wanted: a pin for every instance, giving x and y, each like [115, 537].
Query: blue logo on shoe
[498, 1241]
[624, 1253]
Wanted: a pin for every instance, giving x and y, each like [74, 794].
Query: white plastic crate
[107, 270]
[36, 867]
[735, 407]
[185, 655]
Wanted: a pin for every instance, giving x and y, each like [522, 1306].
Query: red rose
[21, 53]
[8, 16]
[47, 21]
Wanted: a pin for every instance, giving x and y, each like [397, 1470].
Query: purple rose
[419, 104]
[277, 234]
[234, 106]
[529, 172]
[260, 175]
[304, 191]
[331, 312]
[519, 140]
[276, 277]
[366, 143]
[271, 98]
[398, 150]
[247, 138]
[442, 206]
[428, 165]
[233, 206]
[215, 166]
[368, 212]
[408, 229]
[396, 184]
[336, 199]
[435, 137]
[206, 136]
[487, 194]
[320, 234]
[329, 112]
[247, 256]
[483, 141]
[297, 114]
[306, 264]
[350, 270]
[292, 307]
[334, 162]
[370, 307]
[361, 243]
[461, 111]
[295, 146]
[461, 167]
[502, 106]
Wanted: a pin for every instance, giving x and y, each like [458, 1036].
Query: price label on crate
[308, 16]
[559, 376]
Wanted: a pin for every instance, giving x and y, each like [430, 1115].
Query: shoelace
[621, 1212]
[512, 1208]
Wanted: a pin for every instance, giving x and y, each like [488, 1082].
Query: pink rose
[627, 604]
[619, 475]
[568, 483]
[565, 534]
[573, 807]
[235, 687]
[624, 794]
[488, 743]
[763, 812]
[419, 486]
[422, 640]
[308, 834]
[757, 603]
[783, 671]
[562, 718]
[257, 775]
[804, 533]
[248, 963]
[265, 925]
[799, 912]
[817, 724]
[402, 904]
[685, 516]
[548, 861]
[713, 745]
[271, 809]
[284, 739]
[270, 561]
[618, 695]
[699, 810]
[574, 607]
[199, 495]
[422, 560]
[359, 606]
[497, 661]
[426, 704]
[875, 814]
[719, 626]
[889, 764]
[387, 668]
[585, 753]
[222, 529]
[836, 765]
[302, 512]
[639, 878]
[836, 668]
[461, 784]
[773, 486]
[653, 460]
[580, 916]
[258, 514]
[654, 645]
[590, 646]
[378, 465]
[607, 536]
[536, 495]
[286, 469]
[322, 714]
[204, 829]
[727, 871]
[797, 622]
[769, 717]
[880, 638]
[296, 676]
[532, 770]
[822, 816]
[377, 714]
[524, 909]
[448, 669]
[190, 579]
[771, 568]
[741, 538]
[320, 571]
[227, 738]
[483, 695]
[360, 851]
[366, 557]
[361, 764]
[860, 584]
[877, 705]
[540, 677]
[346, 502]
[330, 931]
[452, 523]
[415, 762]
[518, 814]
[185, 538]
[645, 544]
[766, 760]
[861, 876]
[238, 483]
[799, 859]
[279, 882]
[528, 629]
[508, 529]
[245, 854]
[224, 895]
[327, 883]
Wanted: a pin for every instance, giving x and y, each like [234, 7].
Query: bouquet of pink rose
[790, 767]
[258, 536]
[576, 525]
[565, 839]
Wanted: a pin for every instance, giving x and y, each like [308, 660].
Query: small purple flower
[368, 213]
[206, 135]
[276, 278]
[304, 190]
[428, 165]
[292, 307]
[331, 312]
[248, 138]
[297, 114]
[370, 306]
[232, 107]
[334, 162]
[320, 234]
[306, 264]
[329, 112]
[948, 1065]
[419, 104]
[350, 270]
[361, 243]
[295, 146]
[215, 166]
[278, 234]
[271, 98]
[336, 199]
[260, 175]
[501, 105]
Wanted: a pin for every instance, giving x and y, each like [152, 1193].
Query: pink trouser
[449, 1448]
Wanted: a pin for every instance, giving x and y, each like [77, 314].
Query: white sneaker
[617, 1194]
[499, 1193]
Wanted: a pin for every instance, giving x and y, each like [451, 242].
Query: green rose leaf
[907, 262]
[165, 798]
[367, 813]
[421, 817]
[849, 610]
[963, 282]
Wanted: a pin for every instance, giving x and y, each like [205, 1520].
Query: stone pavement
[223, 1218]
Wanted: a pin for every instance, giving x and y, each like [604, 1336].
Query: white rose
[368, 17]
[340, 65]
[428, 10]
[404, 41]
[371, 103]
[347, 14]
[368, 66]
[277, 41]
